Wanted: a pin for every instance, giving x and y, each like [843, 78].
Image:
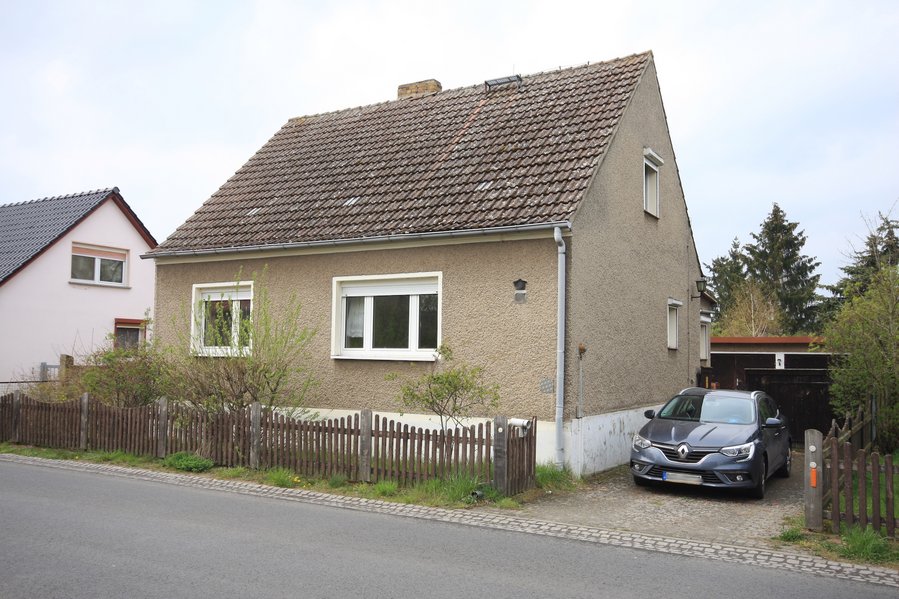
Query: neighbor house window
[705, 329]
[386, 317]
[99, 265]
[129, 333]
[651, 164]
[220, 324]
[673, 308]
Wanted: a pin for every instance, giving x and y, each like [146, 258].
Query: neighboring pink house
[70, 275]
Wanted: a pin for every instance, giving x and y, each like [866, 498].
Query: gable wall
[625, 264]
[480, 320]
[43, 314]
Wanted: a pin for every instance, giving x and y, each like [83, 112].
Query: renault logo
[683, 450]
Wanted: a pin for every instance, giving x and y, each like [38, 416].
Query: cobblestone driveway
[612, 501]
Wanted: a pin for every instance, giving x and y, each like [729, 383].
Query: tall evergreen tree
[726, 274]
[881, 249]
[776, 260]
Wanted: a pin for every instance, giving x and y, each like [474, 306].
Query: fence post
[162, 427]
[16, 415]
[85, 401]
[365, 446]
[814, 481]
[500, 455]
[255, 433]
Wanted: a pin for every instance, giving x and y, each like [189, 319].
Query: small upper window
[221, 318]
[673, 306]
[94, 264]
[651, 164]
[390, 317]
[705, 328]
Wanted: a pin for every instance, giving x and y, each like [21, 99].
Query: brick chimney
[419, 88]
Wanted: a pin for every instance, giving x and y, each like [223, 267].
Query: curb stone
[805, 564]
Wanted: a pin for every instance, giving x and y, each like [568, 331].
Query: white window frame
[652, 200]
[674, 307]
[232, 291]
[705, 335]
[98, 253]
[370, 286]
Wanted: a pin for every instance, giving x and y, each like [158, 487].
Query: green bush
[552, 478]
[866, 545]
[280, 477]
[386, 488]
[189, 462]
[337, 480]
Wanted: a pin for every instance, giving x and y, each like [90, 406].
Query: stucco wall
[480, 319]
[625, 264]
[43, 314]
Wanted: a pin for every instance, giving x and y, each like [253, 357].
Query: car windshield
[710, 408]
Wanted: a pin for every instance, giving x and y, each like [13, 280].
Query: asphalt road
[79, 534]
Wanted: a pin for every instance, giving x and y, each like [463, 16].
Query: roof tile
[460, 159]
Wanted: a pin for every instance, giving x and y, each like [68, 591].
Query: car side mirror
[774, 423]
[650, 414]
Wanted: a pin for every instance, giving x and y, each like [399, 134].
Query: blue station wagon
[713, 438]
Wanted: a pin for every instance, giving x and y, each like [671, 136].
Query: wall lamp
[700, 287]
[520, 290]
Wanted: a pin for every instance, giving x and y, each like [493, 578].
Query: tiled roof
[27, 228]
[465, 159]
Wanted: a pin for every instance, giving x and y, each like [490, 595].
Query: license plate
[677, 477]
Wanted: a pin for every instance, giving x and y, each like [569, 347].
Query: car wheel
[758, 491]
[784, 471]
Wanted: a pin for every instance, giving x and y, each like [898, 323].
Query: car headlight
[744, 452]
[640, 442]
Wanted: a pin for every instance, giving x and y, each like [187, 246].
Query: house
[536, 224]
[793, 370]
[69, 277]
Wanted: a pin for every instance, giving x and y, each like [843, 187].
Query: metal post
[365, 446]
[814, 480]
[500, 455]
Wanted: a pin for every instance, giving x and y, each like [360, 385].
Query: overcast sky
[788, 102]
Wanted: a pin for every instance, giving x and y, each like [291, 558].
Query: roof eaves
[436, 235]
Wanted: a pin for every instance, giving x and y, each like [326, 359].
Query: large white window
[386, 317]
[651, 164]
[220, 323]
[99, 265]
[673, 308]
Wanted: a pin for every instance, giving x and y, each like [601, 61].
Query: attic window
[492, 84]
[651, 164]
[352, 201]
[99, 265]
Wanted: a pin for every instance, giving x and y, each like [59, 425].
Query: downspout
[560, 349]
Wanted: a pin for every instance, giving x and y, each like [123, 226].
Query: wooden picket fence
[838, 471]
[359, 447]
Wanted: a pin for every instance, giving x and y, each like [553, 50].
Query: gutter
[560, 349]
[361, 240]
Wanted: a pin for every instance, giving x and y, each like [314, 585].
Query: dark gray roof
[469, 159]
[27, 228]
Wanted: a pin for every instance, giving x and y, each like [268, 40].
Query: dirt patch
[611, 500]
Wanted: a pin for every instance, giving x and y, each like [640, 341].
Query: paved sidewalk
[500, 520]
